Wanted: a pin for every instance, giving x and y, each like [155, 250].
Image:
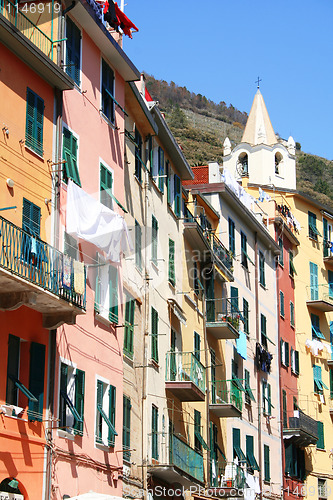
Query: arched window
[278, 163]
[243, 164]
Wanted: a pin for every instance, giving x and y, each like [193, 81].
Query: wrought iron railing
[185, 367]
[304, 423]
[223, 310]
[25, 255]
[18, 19]
[226, 475]
[186, 458]
[320, 292]
[227, 392]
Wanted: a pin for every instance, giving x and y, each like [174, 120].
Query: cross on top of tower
[258, 81]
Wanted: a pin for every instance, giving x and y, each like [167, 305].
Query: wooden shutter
[39, 125]
[262, 268]
[286, 351]
[234, 299]
[320, 442]
[126, 427]
[330, 283]
[172, 277]
[36, 380]
[197, 342]
[13, 363]
[138, 245]
[161, 169]
[282, 304]
[106, 186]
[231, 236]
[154, 432]
[99, 404]
[235, 440]
[70, 148]
[325, 231]
[79, 398]
[113, 294]
[177, 195]
[30, 119]
[63, 389]
[296, 362]
[281, 252]
[314, 281]
[267, 473]
[112, 413]
[154, 334]
[284, 409]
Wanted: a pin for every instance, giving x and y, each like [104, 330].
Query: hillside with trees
[200, 127]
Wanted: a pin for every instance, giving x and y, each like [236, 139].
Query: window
[105, 414]
[161, 169]
[318, 382]
[330, 283]
[292, 314]
[263, 328]
[69, 154]
[246, 316]
[294, 361]
[316, 332]
[106, 186]
[244, 255]
[172, 275]
[197, 342]
[73, 51]
[138, 245]
[31, 249]
[267, 467]
[262, 280]
[107, 90]
[313, 231]
[71, 398]
[154, 335]
[195, 278]
[127, 428]
[314, 295]
[197, 431]
[320, 442]
[266, 398]
[174, 190]
[129, 326]
[154, 239]
[248, 391]
[234, 300]
[322, 488]
[154, 433]
[237, 450]
[284, 409]
[281, 252]
[251, 461]
[138, 155]
[281, 304]
[34, 122]
[106, 295]
[292, 270]
[15, 388]
[231, 236]
[295, 461]
[284, 352]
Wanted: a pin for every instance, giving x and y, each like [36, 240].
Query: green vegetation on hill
[200, 126]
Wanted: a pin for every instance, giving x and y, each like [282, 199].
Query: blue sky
[219, 48]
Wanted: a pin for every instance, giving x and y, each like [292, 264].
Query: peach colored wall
[29, 171]
[22, 443]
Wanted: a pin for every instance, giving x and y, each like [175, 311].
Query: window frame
[106, 415]
[71, 171]
[127, 406]
[154, 335]
[75, 70]
[108, 170]
[281, 303]
[246, 316]
[312, 226]
[110, 115]
[154, 433]
[65, 401]
[231, 232]
[281, 256]
[171, 263]
[129, 326]
[35, 120]
[262, 277]
[267, 466]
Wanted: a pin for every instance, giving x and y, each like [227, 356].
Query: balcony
[185, 376]
[285, 220]
[320, 297]
[225, 477]
[226, 398]
[327, 250]
[201, 237]
[34, 274]
[31, 44]
[222, 318]
[177, 462]
[302, 429]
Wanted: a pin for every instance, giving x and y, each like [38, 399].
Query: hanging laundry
[263, 196]
[33, 249]
[66, 272]
[110, 16]
[314, 346]
[125, 24]
[241, 345]
[92, 221]
[79, 281]
[116, 18]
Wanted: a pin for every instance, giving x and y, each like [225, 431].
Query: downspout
[256, 271]
[277, 271]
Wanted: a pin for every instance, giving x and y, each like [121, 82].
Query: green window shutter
[99, 404]
[107, 91]
[106, 182]
[161, 169]
[296, 362]
[281, 260]
[320, 442]
[269, 399]
[235, 440]
[267, 472]
[292, 270]
[138, 245]
[154, 334]
[246, 315]
[281, 304]
[13, 363]
[31, 215]
[292, 314]
[244, 250]
[234, 299]
[36, 380]
[138, 155]
[262, 269]
[252, 463]
[197, 342]
[63, 390]
[126, 428]
[287, 353]
[248, 390]
[34, 122]
[316, 333]
[325, 231]
[154, 433]
[330, 283]
[197, 430]
[112, 413]
[178, 196]
[313, 231]
[284, 409]
[169, 180]
[231, 225]
[79, 399]
[288, 458]
[263, 326]
[73, 51]
[129, 327]
[314, 281]
[154, 240]
[69, 149]
[113, 294]
[172, 275]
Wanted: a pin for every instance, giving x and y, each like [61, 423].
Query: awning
[177, 311]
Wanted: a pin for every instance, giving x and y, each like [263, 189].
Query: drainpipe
[207, 381]
[258, 372]
[280, 377]
[50, 408]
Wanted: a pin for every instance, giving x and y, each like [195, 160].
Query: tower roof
[258, 129]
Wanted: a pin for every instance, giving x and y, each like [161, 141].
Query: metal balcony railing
[227, 392]
[28, 257]
[11, 12]
[226, 475]
[186, 458]
[304, 423]
[185, 367]
[320, 292]
[223, 310]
